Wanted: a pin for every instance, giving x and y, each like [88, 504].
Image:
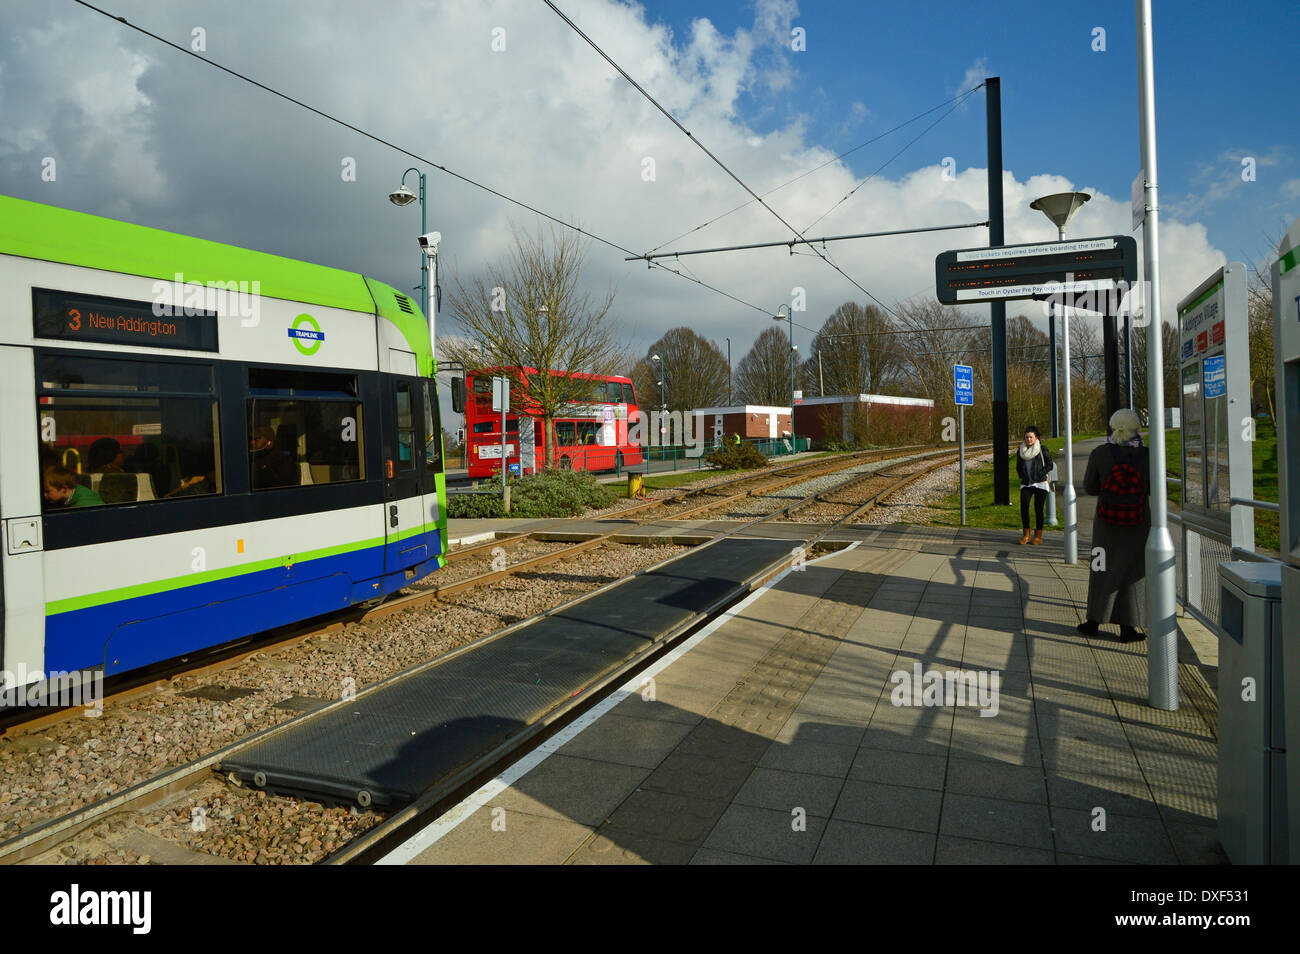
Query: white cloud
[547, 121]
[975, 75]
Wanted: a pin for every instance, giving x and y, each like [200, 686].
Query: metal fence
[1200, 546]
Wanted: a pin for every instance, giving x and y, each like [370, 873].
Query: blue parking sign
[963, 384]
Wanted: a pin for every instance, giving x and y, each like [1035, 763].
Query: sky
[505, 93]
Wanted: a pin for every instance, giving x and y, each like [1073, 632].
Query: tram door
[22, 560]
[432, 465]
[404, 474]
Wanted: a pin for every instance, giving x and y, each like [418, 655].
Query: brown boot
[1024, 537]
[1038, 538]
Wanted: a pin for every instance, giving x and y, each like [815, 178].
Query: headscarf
[1125, 428]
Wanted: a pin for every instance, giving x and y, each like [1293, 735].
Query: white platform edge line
[472, 538]
[444, 825]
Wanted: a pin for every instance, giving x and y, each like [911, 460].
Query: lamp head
[402, 196]
[1060, 208]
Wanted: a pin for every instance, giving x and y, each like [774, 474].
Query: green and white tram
[199, 442]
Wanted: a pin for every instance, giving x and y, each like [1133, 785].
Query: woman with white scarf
[1033, 464]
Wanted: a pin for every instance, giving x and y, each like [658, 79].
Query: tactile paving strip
[400, 740]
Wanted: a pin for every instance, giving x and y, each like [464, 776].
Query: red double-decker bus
[592, 435]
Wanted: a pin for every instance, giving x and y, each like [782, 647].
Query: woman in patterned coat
[1116, 583]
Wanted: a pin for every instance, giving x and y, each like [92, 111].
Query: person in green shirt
[62, 490]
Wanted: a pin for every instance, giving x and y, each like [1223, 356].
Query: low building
[865, 418]
[750, 421]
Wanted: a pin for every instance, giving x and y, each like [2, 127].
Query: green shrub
[474, 506]
[731, 457]
[558, 493]
[552, 493]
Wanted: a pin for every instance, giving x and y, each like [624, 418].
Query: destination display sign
[70, 316]
[1035, 271]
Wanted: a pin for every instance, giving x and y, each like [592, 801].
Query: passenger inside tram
[63, 492]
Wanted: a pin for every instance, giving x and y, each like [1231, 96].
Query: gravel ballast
[72, 763]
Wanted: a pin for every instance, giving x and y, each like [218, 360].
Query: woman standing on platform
[1119, 475]
[1033, 464]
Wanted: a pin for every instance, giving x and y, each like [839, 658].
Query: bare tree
[937, 338]
[1169, 351]
[531, 312]
[1259, 321]
[763, 374]
[855, 351]
[694, 372]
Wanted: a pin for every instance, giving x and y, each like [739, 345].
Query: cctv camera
[429, 242]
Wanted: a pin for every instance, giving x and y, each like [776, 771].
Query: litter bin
[1252, 746]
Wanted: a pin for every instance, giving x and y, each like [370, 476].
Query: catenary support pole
[1162, 636]
[1052, 375]
[998, 309]
[1071, 502]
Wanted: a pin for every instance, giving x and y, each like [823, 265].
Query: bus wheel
[566, 463]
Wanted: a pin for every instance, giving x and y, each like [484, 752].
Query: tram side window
[432, 428]
[304, 428]
[405, 429]
[111, 434]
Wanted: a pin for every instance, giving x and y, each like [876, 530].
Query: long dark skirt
[1116, 582]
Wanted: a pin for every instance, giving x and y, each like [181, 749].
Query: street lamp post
[663, 402]
[789, 317]
[728, 372]
[1060, 208]
[403, 197]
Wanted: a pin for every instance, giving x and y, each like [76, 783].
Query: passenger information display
[1035, 271]
[75, 317]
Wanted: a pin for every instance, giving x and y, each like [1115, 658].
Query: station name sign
[76, 317]
[1035, 271]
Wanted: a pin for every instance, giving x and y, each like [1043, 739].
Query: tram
[199, 442]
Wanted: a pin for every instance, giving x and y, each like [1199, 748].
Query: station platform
[415, 731]
[789, 732]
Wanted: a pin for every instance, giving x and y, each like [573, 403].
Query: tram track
[175, 782]
[221, 658]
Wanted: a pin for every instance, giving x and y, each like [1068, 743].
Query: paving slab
[777, 738]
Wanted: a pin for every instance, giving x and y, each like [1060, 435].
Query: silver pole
[1071, 508]
[961, 457]
[1162, 634]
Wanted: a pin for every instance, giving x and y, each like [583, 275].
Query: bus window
[586, 433]
[565, 433]
[615, 391]
[629, 397]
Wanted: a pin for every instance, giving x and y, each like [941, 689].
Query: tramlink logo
[179, 298]
[306, 334]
